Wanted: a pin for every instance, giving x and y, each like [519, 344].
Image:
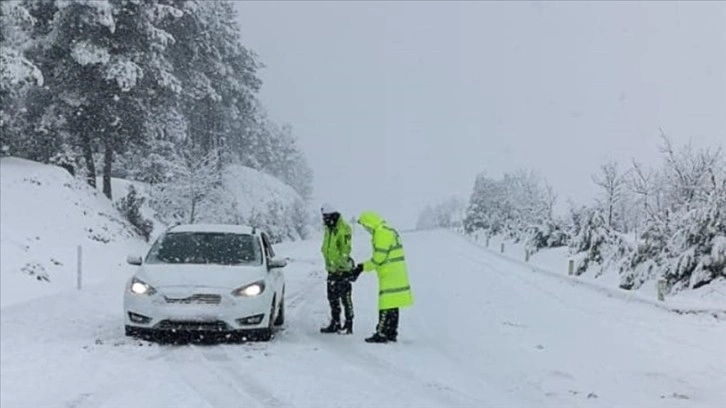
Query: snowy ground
[483, 332]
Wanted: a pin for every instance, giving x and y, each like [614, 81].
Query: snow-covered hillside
[45, 214]
[261, 199]
[245, 196]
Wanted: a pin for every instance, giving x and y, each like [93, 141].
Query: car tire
[280, 320]
[266, 334]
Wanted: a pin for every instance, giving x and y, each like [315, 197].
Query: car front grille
[205, 299]
[182, 325]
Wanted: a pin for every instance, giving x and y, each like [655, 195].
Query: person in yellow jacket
[336, 248]
[394, 290]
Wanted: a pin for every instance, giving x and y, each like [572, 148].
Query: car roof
[223, 228]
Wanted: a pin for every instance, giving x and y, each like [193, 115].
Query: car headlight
[140, 287]
[251, 290]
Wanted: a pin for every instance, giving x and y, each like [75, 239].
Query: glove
[355, 272]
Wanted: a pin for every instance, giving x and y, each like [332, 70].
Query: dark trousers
[340, 291]
[388, 323]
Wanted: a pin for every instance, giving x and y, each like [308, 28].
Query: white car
[221, 279]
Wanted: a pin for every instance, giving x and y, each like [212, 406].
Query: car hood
[211, 276]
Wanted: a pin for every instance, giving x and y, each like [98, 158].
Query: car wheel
[266, 334]
[280, 320]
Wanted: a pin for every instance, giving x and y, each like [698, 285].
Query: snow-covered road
[484, 332]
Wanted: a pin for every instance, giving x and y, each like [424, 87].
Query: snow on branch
[124, 72]
[86, 53]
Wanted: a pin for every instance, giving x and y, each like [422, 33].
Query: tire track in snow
[436, 391]
[292, 301]
[207, 381]
[88, 399]
[433, 384]
[234, 385]
[221, 360]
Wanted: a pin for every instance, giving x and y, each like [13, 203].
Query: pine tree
[146, 89]
[18, 74]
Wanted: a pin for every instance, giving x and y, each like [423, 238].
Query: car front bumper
[165, 311]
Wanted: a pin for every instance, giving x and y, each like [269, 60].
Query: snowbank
[45, 214]
[554, 261]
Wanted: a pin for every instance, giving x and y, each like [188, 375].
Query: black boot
[333, 327]
[377, 338]
[348, 328]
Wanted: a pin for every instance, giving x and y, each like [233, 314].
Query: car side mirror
[277, 263]
[133, 260]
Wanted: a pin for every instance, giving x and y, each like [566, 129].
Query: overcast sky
[400, 104]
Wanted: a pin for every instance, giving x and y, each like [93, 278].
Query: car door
[275, 274]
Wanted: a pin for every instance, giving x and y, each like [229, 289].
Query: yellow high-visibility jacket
[388, 261]
[336, 247]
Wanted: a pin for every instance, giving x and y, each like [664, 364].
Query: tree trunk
[107, 165]
[610, 215]
[194, 204]
[88, 157]
[69, 168]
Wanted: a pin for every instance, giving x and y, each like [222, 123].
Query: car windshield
[206, 248]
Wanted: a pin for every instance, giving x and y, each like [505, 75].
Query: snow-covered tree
[299, 215]
[597, 243]
[17, 73]
[217, 73]
[688, 173]
[130, 207]
[682, 235]
[446, 214]
[16, 69]
[551, 233]
[105, 66]
[271, 148]
[138, 89]
[699, 241]
[511, 205]
[179, 197]
[613, 183]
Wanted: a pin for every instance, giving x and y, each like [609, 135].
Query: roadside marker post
[80, 267]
